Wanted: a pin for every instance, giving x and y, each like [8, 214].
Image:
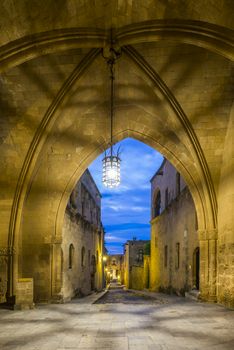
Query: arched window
[140, 255]
[157, 205]
[177, 184]
[71, 256]
[93, 264]
[83, 256]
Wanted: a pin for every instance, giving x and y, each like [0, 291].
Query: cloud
[127, 226]
[113, 239]
[115, 250]
[121, 207]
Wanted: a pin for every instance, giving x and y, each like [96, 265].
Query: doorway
[196, 268]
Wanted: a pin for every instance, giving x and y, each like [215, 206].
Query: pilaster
[208, 264]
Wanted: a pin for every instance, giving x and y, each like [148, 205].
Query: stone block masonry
[24, 298]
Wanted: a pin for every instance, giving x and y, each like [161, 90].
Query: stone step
[193, 294]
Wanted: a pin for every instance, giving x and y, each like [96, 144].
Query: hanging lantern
[111, 170]
[111, 163]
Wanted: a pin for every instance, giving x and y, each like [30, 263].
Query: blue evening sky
[126, 209]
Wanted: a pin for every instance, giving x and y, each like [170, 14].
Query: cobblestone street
[116, 294]
[121, 320]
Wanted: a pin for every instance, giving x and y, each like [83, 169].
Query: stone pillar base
[24, 306]
[24, 294]
[208, 298]
[10, 301]
[57, 299]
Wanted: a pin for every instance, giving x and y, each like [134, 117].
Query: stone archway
[193, 178]
[70, 135]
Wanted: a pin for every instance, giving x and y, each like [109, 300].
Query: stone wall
[82, 245]
[3, 275]
[24, 299]
[80, 277]
[165, 180]
[137, 277]
[140, 275]
[134, 264]
[174, 237]
[225, 285]
[146, 271]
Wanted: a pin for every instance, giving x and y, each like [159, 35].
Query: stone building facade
[83, 241]
[135, 265]
[174, 239]
[114, 267]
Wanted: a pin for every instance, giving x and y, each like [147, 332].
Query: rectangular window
[177, 262]
[165, 256]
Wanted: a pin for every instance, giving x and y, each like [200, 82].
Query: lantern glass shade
[111, 171]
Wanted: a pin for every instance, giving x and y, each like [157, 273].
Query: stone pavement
[116, 294]
[173, 324]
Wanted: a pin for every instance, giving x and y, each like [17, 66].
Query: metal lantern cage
[111, 170]
[111, 162]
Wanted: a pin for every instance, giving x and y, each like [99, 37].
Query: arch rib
[36, 45]
[212, 37]
[34, 151]
[155, 78]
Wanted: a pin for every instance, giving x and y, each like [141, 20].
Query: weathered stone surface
[136, 269]
[82, 241]
[174, 93]
[24, 299]
[174, 238]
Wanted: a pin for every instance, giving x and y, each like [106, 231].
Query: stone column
[208, 264]
[12, 275]
[56, 271]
